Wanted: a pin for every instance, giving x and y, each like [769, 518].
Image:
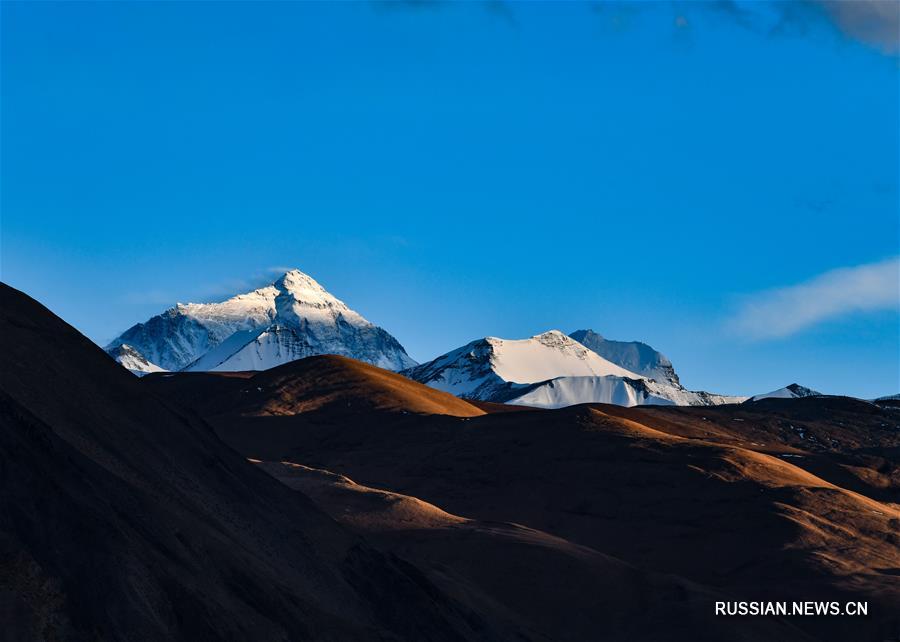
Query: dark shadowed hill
[560, 590]
[123, 518]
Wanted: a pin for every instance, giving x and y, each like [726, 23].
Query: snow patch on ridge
[128, 357]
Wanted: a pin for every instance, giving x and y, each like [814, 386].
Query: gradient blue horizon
[457, 171]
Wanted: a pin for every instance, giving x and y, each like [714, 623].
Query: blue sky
[686, 174]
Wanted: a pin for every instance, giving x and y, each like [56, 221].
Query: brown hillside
[724, 497]
[338, 383]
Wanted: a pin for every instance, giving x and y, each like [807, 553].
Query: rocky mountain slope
[632, 355]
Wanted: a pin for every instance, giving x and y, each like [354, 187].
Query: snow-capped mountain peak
[792, 391]
[561, 341]
[302, 287]
[291, 318]
[548, 370]
[554, 339]
[301, 297]
[491, 368]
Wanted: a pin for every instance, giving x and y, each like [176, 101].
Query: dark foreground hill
[124, 518]
[780, 500]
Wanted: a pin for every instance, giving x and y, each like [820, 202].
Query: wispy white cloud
[203, 292]
[279, 270]
[785, 311]
[232, 286]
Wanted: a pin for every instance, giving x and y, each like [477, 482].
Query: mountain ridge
[548, 370]
[295, 317]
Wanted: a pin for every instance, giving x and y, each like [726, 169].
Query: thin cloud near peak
[782, 312]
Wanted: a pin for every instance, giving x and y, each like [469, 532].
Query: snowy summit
[292, 318]
[792, 391]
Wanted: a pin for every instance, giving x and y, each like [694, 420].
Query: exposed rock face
[631, 355]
